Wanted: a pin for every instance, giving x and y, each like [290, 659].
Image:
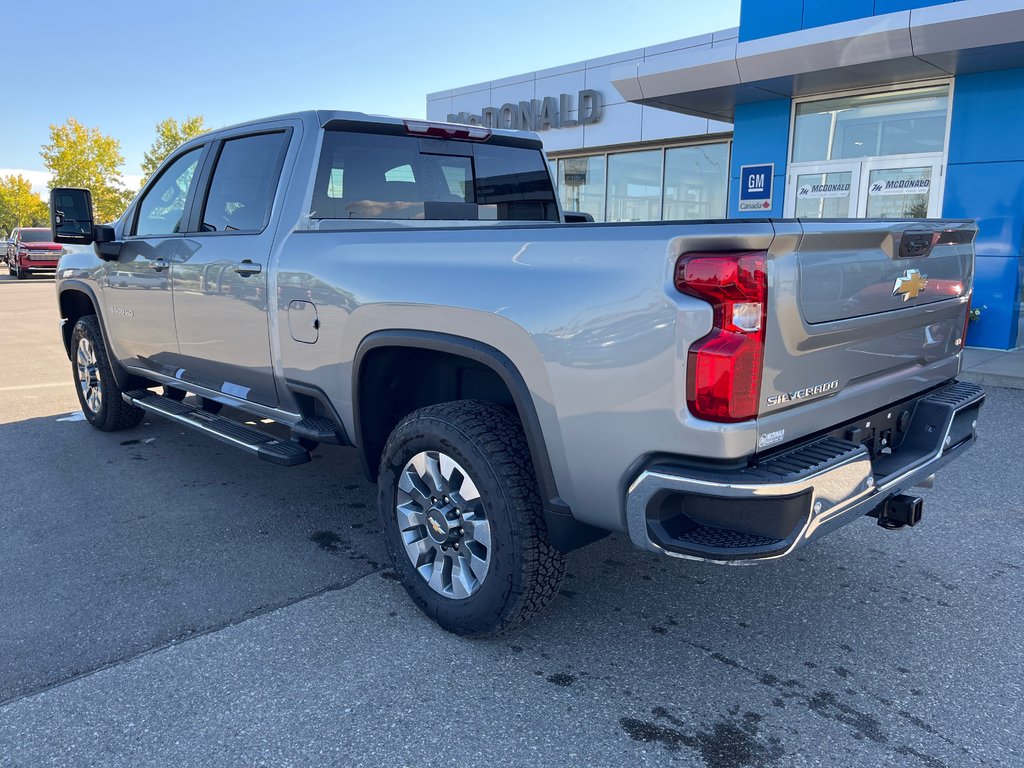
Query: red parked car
[31, 250]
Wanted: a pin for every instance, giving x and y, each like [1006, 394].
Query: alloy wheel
[89, 375]
[443, 524]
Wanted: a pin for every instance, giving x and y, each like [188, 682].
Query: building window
[666, 183]
[871, 125]
[581, 185]
[696, 182]
[634, 186]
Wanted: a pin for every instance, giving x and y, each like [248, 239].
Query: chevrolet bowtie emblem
[435, 526]
[910, 285]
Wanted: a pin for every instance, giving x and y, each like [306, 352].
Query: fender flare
[565, 532]
[122, 377]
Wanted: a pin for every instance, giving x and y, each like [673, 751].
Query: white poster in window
[817, 191]
[900, 186]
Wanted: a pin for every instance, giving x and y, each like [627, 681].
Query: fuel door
[303, 321]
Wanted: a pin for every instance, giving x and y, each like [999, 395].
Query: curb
[992, 379]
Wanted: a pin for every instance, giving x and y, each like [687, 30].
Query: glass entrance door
[825, 191]
[902, 189]
[889, 188]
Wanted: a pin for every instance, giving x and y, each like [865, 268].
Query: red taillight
[723, 376]
[448, 130]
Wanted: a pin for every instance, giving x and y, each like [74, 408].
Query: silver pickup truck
[518, 381]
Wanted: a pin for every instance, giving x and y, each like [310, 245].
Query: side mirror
[576, 217]
[71, 215]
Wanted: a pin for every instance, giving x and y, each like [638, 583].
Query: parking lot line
[23, 387]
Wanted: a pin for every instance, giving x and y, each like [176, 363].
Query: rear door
[861, 314]
[221, 295]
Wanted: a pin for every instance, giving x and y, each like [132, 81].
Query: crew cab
[517, 381]
[31, 250]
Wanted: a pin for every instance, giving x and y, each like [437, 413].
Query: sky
[122, 66]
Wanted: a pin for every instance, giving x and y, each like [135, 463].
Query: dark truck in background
[518, 385]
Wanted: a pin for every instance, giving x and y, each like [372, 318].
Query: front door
[824, 191]
[220, 292]
[139, 310]
[907, 188]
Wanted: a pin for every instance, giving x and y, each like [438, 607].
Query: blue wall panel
[996, 290]
[992, 193]
[988, 117]
[761, 135]
[985, 181]
[818, 13]
[764, 19]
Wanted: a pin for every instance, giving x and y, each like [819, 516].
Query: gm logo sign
[756, 183]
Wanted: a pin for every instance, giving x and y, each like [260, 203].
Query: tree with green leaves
[19, 205]
[79, 156]
[170, 134]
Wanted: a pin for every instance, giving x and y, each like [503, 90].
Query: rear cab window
[241, 191]
[383, 176]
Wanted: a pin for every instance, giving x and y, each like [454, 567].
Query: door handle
[159, 265]
[247, 268]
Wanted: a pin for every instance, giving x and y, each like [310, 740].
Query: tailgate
[860, 314]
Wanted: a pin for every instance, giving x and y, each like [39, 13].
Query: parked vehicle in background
[31, 251]
[516, 384]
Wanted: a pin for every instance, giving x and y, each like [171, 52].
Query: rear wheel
[463, 519]
[98, 393]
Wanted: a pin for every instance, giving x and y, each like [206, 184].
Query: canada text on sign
[539, 114]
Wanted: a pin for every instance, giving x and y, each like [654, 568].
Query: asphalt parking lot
[166, 601]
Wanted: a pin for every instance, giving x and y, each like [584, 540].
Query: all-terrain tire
[112, 413]
[525, 570]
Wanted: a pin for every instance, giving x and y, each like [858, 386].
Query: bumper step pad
[226, 430]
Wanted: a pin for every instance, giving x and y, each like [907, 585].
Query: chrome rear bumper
[767, 510]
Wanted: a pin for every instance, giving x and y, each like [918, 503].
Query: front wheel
[18, 272]
[98, 392]
[463, 520]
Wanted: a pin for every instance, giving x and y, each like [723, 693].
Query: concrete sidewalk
[994, 367]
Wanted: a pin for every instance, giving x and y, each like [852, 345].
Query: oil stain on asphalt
[731, 742]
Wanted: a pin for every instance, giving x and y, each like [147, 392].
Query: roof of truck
[324, 116]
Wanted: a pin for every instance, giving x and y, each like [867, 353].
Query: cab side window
[163, 206]
[244, 180]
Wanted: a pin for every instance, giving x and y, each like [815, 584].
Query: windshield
[36, 236]
[377, 176]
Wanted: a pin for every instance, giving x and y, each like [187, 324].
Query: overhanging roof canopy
[938, 41]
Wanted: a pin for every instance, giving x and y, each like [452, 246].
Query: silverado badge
[910, 285]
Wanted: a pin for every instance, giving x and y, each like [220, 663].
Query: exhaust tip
[927, 482]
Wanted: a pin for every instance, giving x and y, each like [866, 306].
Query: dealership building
[811, 109]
